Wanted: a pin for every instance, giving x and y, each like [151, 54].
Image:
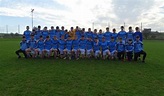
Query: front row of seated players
[66, 48]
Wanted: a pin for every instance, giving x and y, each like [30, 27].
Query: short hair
[122, 27]
[137, 28]
[137, 36]
[23, 36]
[130, 27]
[41, 36]
[47, 36]
[114, 29]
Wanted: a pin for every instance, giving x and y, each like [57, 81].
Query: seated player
[54, 49]
[112, 48]
[75, 47]
[120, 49]
[138, 49]
[47, 47]
[96, 48]
[129, 49]
[61, 47]
[89, 47]
[40, 47]
[30, 51]
[23, 47]
[82, 46]
[105, 50]
[68, 48]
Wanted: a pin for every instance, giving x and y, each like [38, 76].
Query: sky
[16, 14]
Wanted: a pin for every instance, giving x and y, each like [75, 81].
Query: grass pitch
[49, 77]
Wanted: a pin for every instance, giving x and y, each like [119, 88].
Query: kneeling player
[105, 50]
[120, 49]
[23, 47]
[129, 49]
[40, 47]
[112, 48]
[54, 49]
[89, 47]
[138, 49]
[61, 47]
[47, 47]
[68, 48]
[82, 46]
[96, 48]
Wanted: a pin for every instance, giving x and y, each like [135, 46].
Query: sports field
[48, 77]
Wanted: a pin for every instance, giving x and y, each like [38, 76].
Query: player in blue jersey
[138, 33]
[129, 49]
[95, 35]
[52, 32]
[114, 35]
[96, 48]
[30, 51]
[89, 34]
[107, 35]
[89, 47]
[75, 47]
[39, 47]
[45, 33]
[122, 34]
[100, 35]
[120, 49]
[130, 34]
[68, 48]
[54, 49]
[83, 33]
[23, 47]
[82, 46]
[61, 47]
[27, 33]
[112, 48]
[47, 47]
[38, 33]
[105, 49]
[58, 32]
[138, 49]
[62, 32]
[78, 32]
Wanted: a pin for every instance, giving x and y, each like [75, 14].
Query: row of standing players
[105, 46]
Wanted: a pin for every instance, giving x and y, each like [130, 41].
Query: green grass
[48, 77]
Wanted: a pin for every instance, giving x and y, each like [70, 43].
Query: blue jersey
[100, 36]
[23, 45]
[52, 33]
[47, 44]
[112, 46]
[45, 33]
[129, 47]
[138, 34]
[75, 44]
[32, 43]
[78, 34]
[138, 46]
[115, 35]
[104, 45]
[120, 46]
[58, 34]
[107, 36]
[122, 34]
[62, 32]
[89, 44]
[83, 34]
[55, 43]
[96, 46]
[27, 34]
[130, 35]
[89, 34]
[69, 44]
[95, 35]
[62, 44]
[40, 44]
[82, 44]
[38, 34]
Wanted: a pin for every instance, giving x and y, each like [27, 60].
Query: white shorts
[40, 50]
[113, 52]
[97, 52]
[68, 51]
[75, 50]
[61, 51]
[53, 49]
[47, 51]
[105, 52]
[82, 51]
[89, 51]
